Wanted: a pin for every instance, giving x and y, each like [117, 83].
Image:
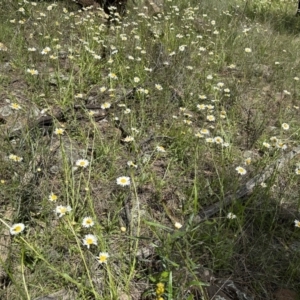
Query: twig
[247, 188]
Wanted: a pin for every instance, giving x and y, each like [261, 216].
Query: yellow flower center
[102, 258]
[18, 228]
[89, 241]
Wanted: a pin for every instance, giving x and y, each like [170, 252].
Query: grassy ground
[112, 138]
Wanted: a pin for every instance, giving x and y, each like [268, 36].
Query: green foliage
[116, 139]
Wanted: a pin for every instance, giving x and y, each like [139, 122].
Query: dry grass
[174, 98]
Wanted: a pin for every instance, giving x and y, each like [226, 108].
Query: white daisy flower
[87, 222]
[89, 240]
[160, 149]
[52, 197]
[231, 216]
[102, 257]
[241, 170]
[83, 163]
[16, 228]
[177, 225]
[59, 131]
[123, 181]
[61, 210]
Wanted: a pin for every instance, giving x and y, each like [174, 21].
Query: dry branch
[248, 187]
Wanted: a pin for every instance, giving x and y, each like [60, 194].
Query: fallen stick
[247, 188]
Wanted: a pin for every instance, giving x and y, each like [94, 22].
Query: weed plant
[147, 122]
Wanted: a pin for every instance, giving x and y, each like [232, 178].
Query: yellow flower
[160, 289]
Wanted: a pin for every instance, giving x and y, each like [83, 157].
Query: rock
[5, 111]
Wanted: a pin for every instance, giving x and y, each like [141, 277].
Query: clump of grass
[117, 138]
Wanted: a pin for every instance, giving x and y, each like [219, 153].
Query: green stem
[23, 275]
[83, 259]
[137, 233]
